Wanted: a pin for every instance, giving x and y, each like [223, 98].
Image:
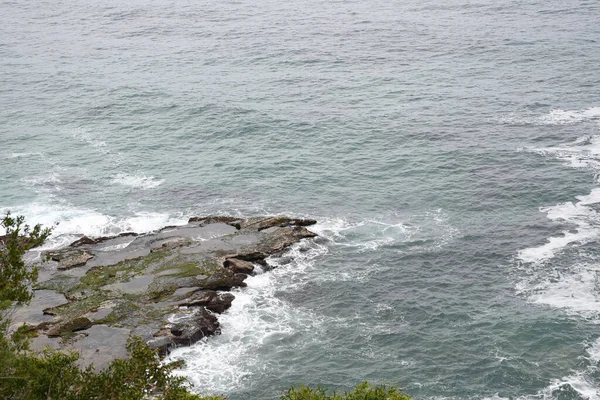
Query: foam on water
[582, 153]
[24, 155]
[581, 382]
[580, 214]
[557, 117]
[45, 183]
[575, 290]
[257, 320]
[71, 222]
[431, 227]
[564, 117]
[572, 288]
[138, 181]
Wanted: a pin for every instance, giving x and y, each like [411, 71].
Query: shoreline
[167, 286]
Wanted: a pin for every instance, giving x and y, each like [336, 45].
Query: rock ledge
[167, 287]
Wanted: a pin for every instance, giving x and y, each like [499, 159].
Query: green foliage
[364, 391]
[56, 376]
[15, 277]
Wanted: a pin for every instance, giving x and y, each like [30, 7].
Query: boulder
[237, 265]
[89, 241]
[189, 330]
[161, 344]
[69, 326]
[77, 259]
[220, 303]
[209, 299]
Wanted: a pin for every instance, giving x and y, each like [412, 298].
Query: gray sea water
[449, 149]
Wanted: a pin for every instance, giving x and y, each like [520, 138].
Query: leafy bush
[364, 391]
[56, 375]
[15, 276]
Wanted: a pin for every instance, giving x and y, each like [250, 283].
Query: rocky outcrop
[210, 299]
[71, 259]
[69, 326]
[167, 286]
[192, 327]
[239, 266]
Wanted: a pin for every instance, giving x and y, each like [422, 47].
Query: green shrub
[364, 391]
[56, 375]
[15, 277]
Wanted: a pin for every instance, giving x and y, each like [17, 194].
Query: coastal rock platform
[167, 287]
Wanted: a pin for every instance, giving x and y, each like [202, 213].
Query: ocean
[450, 151]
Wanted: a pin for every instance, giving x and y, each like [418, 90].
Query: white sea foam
[580, 381]
[583, 217]
[573, 288]
[24, 155]
[52, 177]
[575, 291]
[583, 153]
[257, 321]
[138, 181]
[371, 234]
[557, 117]
[73, 221]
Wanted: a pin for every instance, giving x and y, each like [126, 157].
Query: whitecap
[579, 214]
[565, 117]
[138, 181]
[584, 152]
[573, 288]
[575, 291]
[70, 222]
[581, 381]
[24, 155]
[556, 117]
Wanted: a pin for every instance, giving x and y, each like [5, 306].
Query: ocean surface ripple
[450, 151]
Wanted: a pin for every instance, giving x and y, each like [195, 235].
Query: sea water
[450, 151]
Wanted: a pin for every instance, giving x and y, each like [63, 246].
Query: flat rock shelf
[167, 287]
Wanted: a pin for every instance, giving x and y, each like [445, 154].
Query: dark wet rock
[262, 223]
[194, 327]
[220, 303]
[237, 265]
[283, 222]
[235, 222]
[239, 279]
[257, 257]
[210, 299]
[163, 286]
[90, 241]
[161, 344]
